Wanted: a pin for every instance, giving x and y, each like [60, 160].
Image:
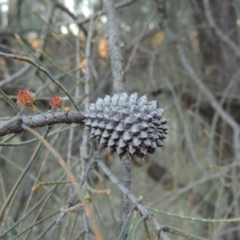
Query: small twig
[72, 15]
[34, 225]
[30, 197]
[67, 73]
[18, 182]
[29, 51]
[71, 132]
[126, 180]
[42, 201]
[74, 199]
[100, 13]
[141, 220]
[43, 40]
[15, 76]
[85, 140]
[9, 101]
[98, 191]
[73, 180]
[215, 105]
[206, 220]
[151, 67]
[212, 101]
[185, 127]
[132, 198]
[218, 31]
[223, 99]
[139, 39]
[39, 185]
[42, 69]
[179, 232]
[76, 208]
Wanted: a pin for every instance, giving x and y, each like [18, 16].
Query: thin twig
[72, 15]
[139, 39]
[23, 174]
[42, 69]
[213, 101]
[224, 220]
[215, 105]
[43, 41]
[223, 99]
[179, 232]
[16, 75]
[74, 198]
[100, 13]
[218, 31]
[132, 198]
[73, 180]
[85, 139]
[184, 123]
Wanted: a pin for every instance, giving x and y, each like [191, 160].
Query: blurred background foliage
[195, 174]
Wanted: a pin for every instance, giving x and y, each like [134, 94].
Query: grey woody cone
[127, 125]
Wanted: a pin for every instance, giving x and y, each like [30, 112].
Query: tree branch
[99, 13]
[43, 40]
[40, 120]
[118, 72]
[218, 31]
[133, 199]
[114, 49]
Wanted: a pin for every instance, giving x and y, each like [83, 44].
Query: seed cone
[127, 125]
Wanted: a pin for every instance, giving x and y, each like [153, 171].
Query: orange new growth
[25, 98]
[56, 102]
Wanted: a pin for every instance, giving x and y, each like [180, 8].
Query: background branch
[118, 74]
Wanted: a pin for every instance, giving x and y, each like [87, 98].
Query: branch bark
[116, 60]
[114, 48]
[40, 120]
